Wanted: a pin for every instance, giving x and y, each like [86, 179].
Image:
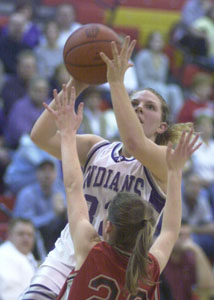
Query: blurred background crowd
[174, 55]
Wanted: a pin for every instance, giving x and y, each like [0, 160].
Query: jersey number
[93, 205]
[112, 289]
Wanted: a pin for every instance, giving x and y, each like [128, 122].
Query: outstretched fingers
[80, 111]
[187, 143]
[57, 99]
[180, 144]
[125, 45]
[193, 145]
[114, 50]
[131, 48]
[49, 109]
[104, 57]
[72, 97]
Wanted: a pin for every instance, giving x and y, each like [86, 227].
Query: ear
[162, 128]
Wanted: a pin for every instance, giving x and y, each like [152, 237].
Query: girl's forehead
[146, 95]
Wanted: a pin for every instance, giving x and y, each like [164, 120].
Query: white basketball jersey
[105, 174]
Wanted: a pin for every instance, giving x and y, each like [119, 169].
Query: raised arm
[45, 135]
[171, 222]
[67, 121]
[131, 130]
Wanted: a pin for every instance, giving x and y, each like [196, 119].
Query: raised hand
[117, 67]
[187, 144]
[66, 119]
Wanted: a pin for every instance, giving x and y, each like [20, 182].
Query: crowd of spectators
[31, 66]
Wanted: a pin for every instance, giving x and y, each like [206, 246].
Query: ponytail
[173, 133]
[134, 221]
[137, 268]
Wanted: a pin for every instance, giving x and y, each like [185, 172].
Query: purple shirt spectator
[20, 120]
[10, 95]
[26, 111]
[25, 71]
[11, 44]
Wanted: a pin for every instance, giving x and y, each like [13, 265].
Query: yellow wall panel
[146, 20]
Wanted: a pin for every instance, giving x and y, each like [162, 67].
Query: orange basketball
[81, 52]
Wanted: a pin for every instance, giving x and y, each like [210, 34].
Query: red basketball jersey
[102, 276]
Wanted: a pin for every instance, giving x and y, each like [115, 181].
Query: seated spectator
[65, 17]
[49, 54]
[194, 9]
[17, 263]
[22, 169]
[32, 32]
[26, 69]
[199, 100]
[202, 161]
[3, 77]
[95, 121]
[43, 202]
[5, 156]
[197, 213]
[60, 76]
[4, 152]
[152, 66]
[11, 44]
[204, 26]
[26, 111]
[187, 268]
[185, 36]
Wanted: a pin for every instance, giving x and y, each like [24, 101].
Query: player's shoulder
[102, 145]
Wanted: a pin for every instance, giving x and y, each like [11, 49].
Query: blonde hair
[134, 223]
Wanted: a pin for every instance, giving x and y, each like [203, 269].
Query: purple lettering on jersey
[107, 180]
[127, 183]
[89, 176]
[139, 181]
[100, 176]
[114, 185]
[157, 201]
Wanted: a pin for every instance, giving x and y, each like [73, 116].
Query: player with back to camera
[135, 166]
[123, 266]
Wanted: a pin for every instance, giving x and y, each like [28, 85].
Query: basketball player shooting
[134, 165]
[124, 265]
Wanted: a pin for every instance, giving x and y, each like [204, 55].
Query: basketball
[81, 52]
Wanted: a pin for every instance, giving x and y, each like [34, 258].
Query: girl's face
[148, 109]
[52, 32]
[204, 91]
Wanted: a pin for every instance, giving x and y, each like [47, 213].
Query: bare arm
[67, 121]
[131, 131]
[45, 135]
[171, 222]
